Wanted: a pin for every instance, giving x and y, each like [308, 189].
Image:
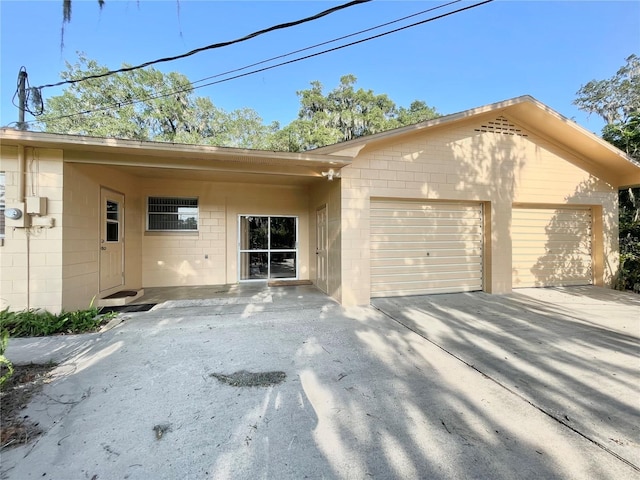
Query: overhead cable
[210, 47]
[326, 43]
[270, 67]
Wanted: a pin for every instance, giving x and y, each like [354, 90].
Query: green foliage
[625, 136]
[344, 114]
[5, 363]
[616, 99]
[629, 275]
[180, 117]
[38, 323]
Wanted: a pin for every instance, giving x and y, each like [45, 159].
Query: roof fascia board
[158, 149]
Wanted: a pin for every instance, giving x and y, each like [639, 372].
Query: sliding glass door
[268, 247]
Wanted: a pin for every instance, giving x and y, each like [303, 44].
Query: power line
[327, 42]
[212, 46]
[191, 88]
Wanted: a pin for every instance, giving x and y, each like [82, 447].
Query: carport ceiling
[220, 176]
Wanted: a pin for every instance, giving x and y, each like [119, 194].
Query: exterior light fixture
[331, 174]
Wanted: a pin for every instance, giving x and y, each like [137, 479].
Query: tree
[417, 112]
[344, 114]
[146, 104]
[172, 112]
[625, 135]
[617, 101]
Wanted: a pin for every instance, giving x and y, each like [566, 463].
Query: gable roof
[531, 114]
[606, 161]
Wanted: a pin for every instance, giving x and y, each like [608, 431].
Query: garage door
[421, 248]
[551, 247]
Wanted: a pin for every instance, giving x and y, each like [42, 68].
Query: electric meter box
[14, 215]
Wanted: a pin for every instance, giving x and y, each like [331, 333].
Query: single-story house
[502, 196]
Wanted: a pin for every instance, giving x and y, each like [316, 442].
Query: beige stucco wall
[329, 194]
[31, 258]
[170, 259]
[461, 163]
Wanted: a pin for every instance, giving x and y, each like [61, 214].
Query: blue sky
[500, 50]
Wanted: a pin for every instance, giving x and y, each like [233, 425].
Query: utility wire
[212, 46]
[326, 43]
[191, 88]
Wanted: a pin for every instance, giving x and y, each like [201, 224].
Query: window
[112, 227]
[2, 205]
[166, 214]
[268, 248]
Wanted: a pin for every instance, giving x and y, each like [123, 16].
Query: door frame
[322, 254]
[105, 193]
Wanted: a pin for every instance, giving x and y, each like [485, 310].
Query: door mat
[288, 283]
[122, 294]
[141, 307]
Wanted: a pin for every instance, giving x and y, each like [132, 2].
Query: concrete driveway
[364, 396]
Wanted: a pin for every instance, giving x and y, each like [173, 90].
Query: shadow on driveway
[364, 397]
[572, 352]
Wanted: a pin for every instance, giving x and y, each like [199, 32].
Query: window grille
[172, 214]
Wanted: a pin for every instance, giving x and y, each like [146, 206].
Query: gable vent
[501, 125]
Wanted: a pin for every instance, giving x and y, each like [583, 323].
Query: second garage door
[420, 248]
[551, 247]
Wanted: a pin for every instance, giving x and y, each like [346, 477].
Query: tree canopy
[344, 114]
[171, 113]
[617, 101]
[147, 104]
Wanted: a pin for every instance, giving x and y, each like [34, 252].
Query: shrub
[6, 367]
[39, 323]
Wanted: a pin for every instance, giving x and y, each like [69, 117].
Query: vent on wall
[501, 125]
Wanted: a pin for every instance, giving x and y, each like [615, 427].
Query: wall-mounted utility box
[15, 216]
[45, 222]
[36, 205]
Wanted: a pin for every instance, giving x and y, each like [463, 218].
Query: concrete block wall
[210, 256]
[82, 222]
[462, 163]
[31, 258]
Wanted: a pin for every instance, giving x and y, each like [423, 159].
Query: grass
[40, 323]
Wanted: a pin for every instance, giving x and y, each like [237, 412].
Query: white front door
[322, 249]
[111, 239]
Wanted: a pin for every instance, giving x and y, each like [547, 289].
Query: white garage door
[551, 247]
[421, 248]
